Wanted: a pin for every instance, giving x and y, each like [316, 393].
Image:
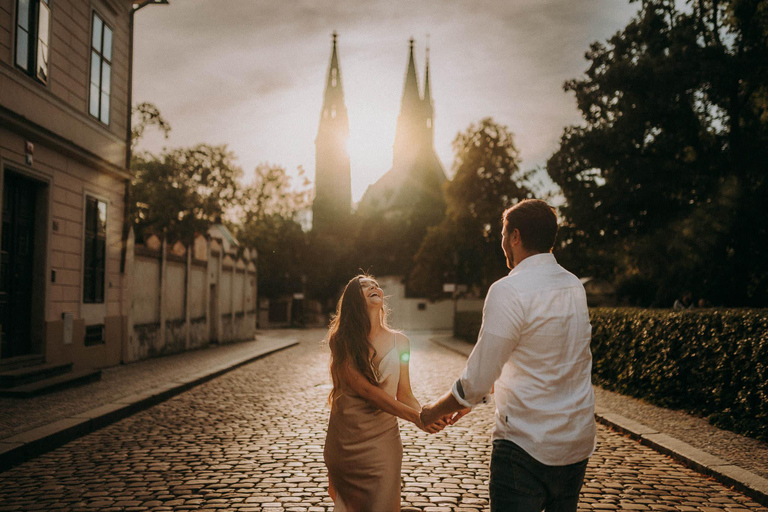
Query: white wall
[421, 314]
[145, 290]
[182, 331]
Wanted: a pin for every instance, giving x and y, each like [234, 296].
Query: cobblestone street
[253, 439]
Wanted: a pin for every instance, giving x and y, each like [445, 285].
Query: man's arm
[499, 335]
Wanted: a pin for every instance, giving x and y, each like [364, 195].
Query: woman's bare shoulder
[401, 341]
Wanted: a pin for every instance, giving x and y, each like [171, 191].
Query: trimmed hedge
[710, 362]
[467, 325]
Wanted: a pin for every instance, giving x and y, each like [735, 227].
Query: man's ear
[514, 237]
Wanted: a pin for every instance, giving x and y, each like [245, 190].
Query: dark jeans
[520, 483]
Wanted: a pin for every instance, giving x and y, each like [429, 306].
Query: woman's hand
[434, 428]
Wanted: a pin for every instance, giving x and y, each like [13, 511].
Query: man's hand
[451, 420]
[428, 415]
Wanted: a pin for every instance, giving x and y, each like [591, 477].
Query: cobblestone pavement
[253, 439]
[19, 415]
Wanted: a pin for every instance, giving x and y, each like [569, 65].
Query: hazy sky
[251, 73]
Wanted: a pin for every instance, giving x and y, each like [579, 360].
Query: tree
[183, 191]
[145, 115]
[664, 179]
[466, 246]
[266, 218]
[271, 193]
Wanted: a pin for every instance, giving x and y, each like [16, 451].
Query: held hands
[434, 428]
[431, 422]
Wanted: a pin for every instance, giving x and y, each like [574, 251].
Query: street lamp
[144, 3]
[135, 6]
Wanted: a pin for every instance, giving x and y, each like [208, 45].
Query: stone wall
[186, 297]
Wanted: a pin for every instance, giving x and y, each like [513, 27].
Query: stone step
[50, 384]
[29, 374]
[12, 363]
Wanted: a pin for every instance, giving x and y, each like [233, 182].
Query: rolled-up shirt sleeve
[499, 335]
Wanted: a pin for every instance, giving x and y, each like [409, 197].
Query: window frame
[32, 66]
[100, 54]
[90, 293]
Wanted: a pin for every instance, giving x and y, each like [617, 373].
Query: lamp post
[127, 194]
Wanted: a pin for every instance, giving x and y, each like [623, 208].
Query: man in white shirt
[533, 348]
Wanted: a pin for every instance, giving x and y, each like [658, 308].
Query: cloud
[251, 72]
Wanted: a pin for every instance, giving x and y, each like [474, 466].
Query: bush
[709, 362]
[467, 325]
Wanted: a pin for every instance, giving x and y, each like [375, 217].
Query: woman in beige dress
[371, 389]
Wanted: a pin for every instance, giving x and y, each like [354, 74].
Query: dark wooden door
[17, 264]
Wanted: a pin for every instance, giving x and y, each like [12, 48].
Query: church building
[332, 205]
[415, 180]
[411, 188]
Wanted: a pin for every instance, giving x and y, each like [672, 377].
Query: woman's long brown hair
[348, 336]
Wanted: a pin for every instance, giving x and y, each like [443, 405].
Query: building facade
[332, 204]
[64, 149]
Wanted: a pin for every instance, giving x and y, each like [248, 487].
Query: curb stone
[752, 485]
[21, 447]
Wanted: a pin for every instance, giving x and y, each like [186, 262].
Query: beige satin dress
[363, 451]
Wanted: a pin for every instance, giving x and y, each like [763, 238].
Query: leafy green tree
[267, 218]
[466, 246]
[183, 191]
[666, 176]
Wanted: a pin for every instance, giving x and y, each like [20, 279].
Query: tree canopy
[183, 191]
[465, 247]
[666, 178]
[267, 218]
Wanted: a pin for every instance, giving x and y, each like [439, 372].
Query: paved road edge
[21, 447]
[754, 486]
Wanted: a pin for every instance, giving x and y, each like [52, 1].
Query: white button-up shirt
[534, 345]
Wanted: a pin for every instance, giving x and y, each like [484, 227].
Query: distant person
[533, 347]
[684, 302]
[703, 303]
[371, 389]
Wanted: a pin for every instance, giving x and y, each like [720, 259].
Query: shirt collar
[537, 260]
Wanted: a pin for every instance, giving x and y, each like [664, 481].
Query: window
[101, 68]
[33, 21]
[95, 250]
[94, 335]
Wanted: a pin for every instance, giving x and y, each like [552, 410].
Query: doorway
[21, 253]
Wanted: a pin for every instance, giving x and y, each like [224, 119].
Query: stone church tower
[416, 176]
[332, 205]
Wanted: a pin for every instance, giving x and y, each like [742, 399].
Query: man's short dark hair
[536, 221]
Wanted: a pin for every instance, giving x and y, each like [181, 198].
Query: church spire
[333, 193]
[427, 88]
[334, 92]
[411, 96]
[429, 108]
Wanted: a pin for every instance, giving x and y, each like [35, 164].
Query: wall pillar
[163, 285]
[126, 292]
[207, 291]
[188, 297]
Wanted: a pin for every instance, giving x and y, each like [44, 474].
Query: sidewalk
[731, 458]
[49, 420]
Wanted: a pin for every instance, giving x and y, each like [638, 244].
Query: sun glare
[372, 134]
